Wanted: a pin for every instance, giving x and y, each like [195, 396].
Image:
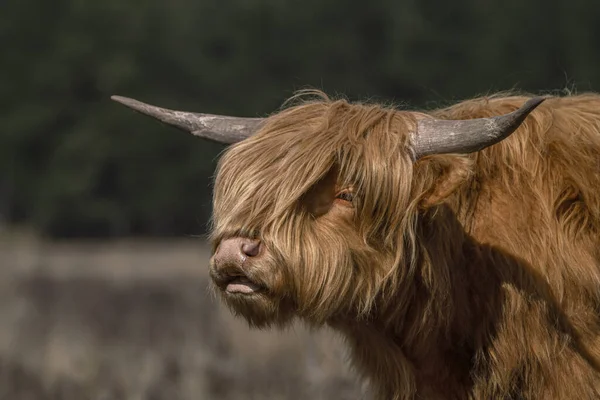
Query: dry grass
[135, 320]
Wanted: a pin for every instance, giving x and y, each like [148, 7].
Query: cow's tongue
[241, 285]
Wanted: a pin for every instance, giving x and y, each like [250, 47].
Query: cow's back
[539, 189]
[536, 197]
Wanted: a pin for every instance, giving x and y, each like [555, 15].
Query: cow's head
[315, 207]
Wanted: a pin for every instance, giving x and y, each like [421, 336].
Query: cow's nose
[251, 248]
[236, 250]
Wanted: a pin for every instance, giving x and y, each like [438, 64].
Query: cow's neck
[431, 347]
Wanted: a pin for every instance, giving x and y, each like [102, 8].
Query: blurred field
[135, 320]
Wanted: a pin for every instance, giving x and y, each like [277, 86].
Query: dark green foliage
[72, 163]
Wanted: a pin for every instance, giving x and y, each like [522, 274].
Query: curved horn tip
[119, 99]
[160, 113]
[126, 101]
[517, 117]
[532, 103]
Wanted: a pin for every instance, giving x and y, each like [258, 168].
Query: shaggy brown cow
[458, 262]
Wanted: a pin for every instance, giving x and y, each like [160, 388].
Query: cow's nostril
[251, 248]
[235, 251]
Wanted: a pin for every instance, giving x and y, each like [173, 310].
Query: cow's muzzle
[232, 262]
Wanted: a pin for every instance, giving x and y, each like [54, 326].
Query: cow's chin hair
[260, 310]
[270, 306]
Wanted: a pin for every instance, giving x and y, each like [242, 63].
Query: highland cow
[457, 251]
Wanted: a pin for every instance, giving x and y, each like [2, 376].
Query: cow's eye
[345, 195]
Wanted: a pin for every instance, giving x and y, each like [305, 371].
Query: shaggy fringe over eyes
[261, 182]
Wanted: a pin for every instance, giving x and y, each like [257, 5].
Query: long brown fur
[456, 277]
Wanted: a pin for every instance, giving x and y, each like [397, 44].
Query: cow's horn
[436, 136]
[219, 128]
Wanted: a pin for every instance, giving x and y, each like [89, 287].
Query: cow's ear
[440, 176]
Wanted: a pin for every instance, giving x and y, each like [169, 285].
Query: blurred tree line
[73, 163]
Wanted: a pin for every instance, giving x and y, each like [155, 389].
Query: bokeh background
[103, 212]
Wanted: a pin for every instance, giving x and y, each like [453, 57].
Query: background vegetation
[133, 319]
[72, 163]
